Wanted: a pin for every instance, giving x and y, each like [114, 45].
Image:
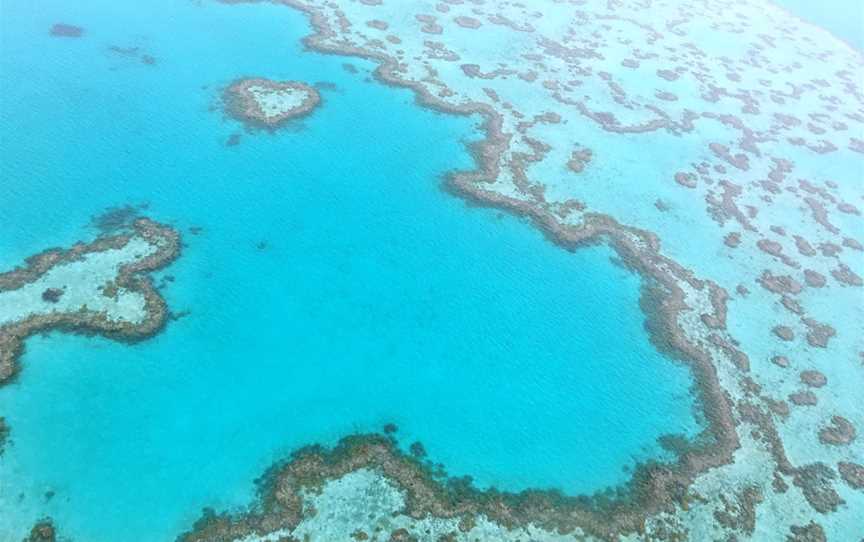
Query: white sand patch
[277, 102]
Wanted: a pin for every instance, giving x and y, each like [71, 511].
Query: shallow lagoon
[335, 287]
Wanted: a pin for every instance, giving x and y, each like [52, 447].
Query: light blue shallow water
[843, 18]
[379, 297]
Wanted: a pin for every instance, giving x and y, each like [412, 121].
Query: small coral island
[269, 104]
[93, 288]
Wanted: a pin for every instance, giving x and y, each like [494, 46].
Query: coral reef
[269, 104]
[285, 489]
[43, 531]
[40, 299]
[588, 72]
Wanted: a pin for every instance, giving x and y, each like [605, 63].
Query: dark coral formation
[43, 531]
[816, 480]
[814, 379]
[780, 361]
[130, 276]
[732, 239]
[818, 334]
[4, 434]
[804, 398]
[52, 295]
[739, 511]
[814, 279]
[117, 219]
[817, 484]
[241, 104]
[579, 159]
[467, 22]
[839, 433]
[852, 474]
[402, 535]
[812, 532]
[783, 332]
[63, 30]
[133, 52]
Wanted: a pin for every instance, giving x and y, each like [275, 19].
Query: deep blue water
[378, 298]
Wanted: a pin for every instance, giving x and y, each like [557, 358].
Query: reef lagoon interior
[336, 279]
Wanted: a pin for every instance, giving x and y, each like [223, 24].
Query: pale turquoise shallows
[335, 287]
[844, 18]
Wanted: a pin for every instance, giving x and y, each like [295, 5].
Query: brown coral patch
[814, 279]
[377, 24]
[780, 361]
[814, 379]
[4, 434]
[43, 531]
[803, 398]
[686, 179]
[843, 274]
[783, 332]
[840, 432]
[468, 22]
[816, 483]
[852, 474]
[579, 159]
[818, 334]
[812, 532]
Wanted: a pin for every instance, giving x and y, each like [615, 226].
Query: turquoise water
[377, 298]
[843, 18]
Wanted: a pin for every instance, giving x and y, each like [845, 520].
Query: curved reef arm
[93, 288]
